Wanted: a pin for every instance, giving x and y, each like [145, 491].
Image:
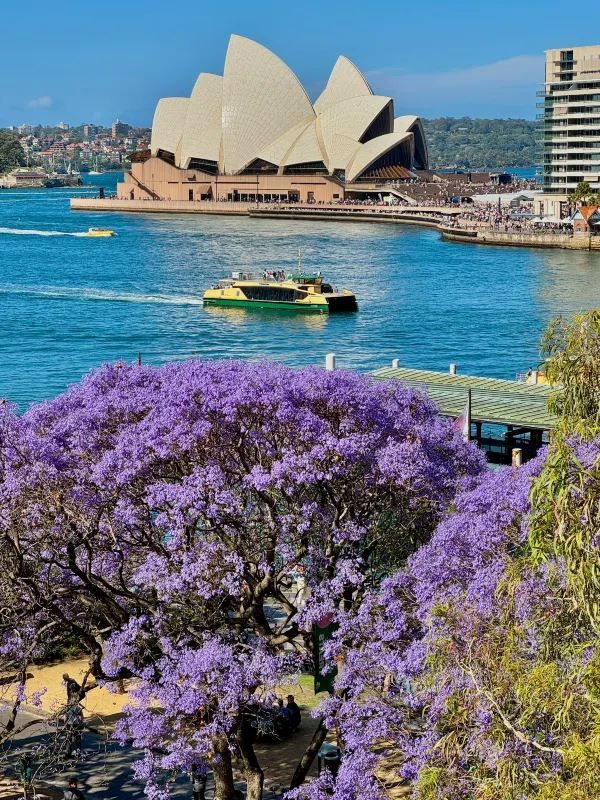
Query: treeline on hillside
[481, 143]
[11, 152]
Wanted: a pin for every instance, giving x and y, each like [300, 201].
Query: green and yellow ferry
[276, 290]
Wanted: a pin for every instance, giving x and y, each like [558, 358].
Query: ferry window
[271, 293]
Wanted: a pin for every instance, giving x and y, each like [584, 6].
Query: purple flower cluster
[459, 663]
[163, 517]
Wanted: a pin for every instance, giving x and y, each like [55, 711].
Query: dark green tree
[11, 152]
[479, 144]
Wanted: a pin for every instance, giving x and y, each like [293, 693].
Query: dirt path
[98, 702]
[278, 759]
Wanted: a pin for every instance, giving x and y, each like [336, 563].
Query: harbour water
[69, 303]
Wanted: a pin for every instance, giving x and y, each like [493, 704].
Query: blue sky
[96, 61]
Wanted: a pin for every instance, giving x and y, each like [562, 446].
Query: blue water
[70, 303]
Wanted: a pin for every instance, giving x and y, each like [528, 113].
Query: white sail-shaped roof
[409, 122]
[167, 125]
[344, 149]
[259, 111]
[306, 148]
[348, 118]
[405, 122]
[275, 151]
[262, 99]
[374, 149]
[346, 81]
[202, 128]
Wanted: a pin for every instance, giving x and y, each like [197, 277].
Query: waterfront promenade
[429, 214]
[447, 219]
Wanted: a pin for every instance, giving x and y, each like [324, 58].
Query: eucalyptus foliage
[478, 665]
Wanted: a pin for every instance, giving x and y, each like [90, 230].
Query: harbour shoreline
[520, 239]
[431, 217]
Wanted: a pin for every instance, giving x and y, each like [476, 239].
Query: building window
[260, 167]
[211, 167]
[308, 168]
[165, 155]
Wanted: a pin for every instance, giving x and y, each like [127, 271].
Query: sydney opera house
[253, 134]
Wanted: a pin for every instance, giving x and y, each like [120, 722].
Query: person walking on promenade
[198, 783]
[74, 693]
[74, 727]
[73, 792]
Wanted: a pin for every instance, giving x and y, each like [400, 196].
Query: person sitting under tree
[73, 792]
[294, 712]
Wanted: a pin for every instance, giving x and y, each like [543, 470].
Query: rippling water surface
[69, 303]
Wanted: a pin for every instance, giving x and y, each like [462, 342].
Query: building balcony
[569, 127]
[574, 163]
[572, 149]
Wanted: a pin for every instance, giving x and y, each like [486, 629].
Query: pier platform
[514, 414]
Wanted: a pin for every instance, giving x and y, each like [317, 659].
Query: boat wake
[33, 232]
[102, 295]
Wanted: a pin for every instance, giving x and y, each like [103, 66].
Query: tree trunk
[223, 771]
[309, 756]
[252, 770]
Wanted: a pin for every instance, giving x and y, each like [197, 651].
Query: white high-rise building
[570, 125]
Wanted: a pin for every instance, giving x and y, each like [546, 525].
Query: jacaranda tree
[477, 667]
[158, 517]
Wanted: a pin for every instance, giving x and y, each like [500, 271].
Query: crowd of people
[496, 217]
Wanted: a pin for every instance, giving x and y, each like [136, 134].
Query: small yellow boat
[278, 291]
[100, 232]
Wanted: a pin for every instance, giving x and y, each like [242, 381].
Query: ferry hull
[268, 304]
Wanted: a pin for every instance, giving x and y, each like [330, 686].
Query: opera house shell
[254, 129]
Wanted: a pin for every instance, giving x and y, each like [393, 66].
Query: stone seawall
[522, 239]
[344, 216]
[158, 206]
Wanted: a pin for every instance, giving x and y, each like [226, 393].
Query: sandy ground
[98, 702]
[279, 760]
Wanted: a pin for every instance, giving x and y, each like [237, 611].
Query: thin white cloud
[40, 102]
[502, 88]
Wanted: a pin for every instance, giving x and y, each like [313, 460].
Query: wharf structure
[253, 135]
[36, 178]
[570, 126]
[504, 415]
